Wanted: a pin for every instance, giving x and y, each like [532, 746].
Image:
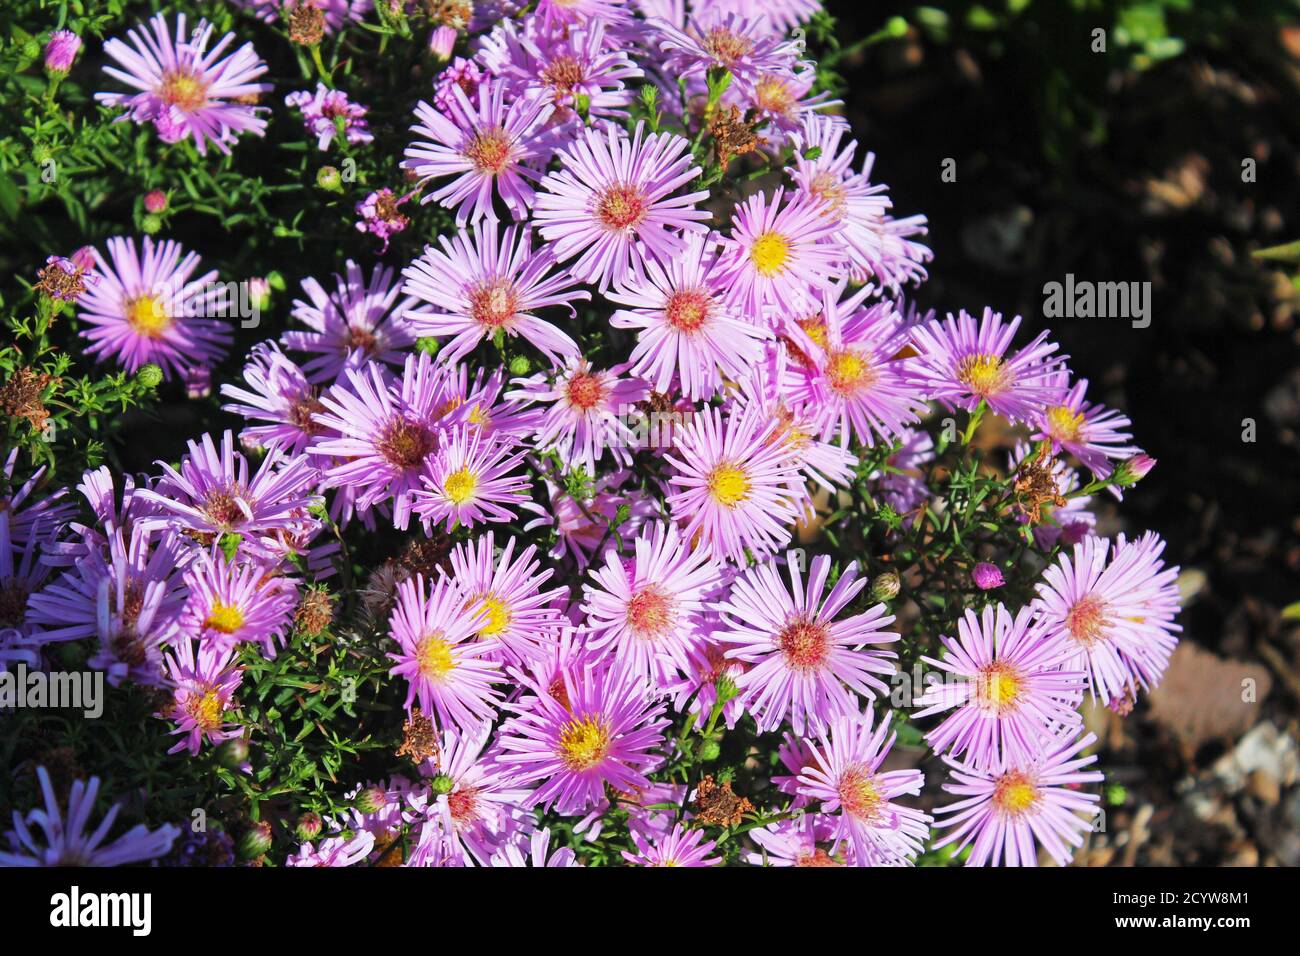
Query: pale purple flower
[681, 847]
[1091, 432]
[322, 112]
[203, 685]
[470, 480]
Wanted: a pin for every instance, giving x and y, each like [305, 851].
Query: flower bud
[155, 201]
[309, 826]
[987, 576]
[151, 225]
[232, 754]
[886, 587]
[427, 344]
[726, 688]
[1132, 470]
[441, 43]
[442, 783]
[519, 365]
[710, 749]
[330, 179]
[255, 841]
[370, 799]
[60, 51]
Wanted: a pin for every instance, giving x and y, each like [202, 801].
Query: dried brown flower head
[419, 739]
[315, 612]
[716, 805]
[732, 134]
[22, 396]
[1036, 485]
[306, 23]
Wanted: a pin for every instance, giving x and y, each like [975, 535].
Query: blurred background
[1128, 165]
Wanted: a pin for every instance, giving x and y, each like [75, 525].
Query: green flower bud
[255, 841]
[309, 826]
[726, 688]
[370, 800]
[519, 365]
[233, 753]
[330, 179]
[151, 224]
[427, 344]
[1132, 470]
[149, 376]
[442, 783]
[710, 749]
[886, 587]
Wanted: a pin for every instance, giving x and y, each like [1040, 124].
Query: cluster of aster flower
[451, 402]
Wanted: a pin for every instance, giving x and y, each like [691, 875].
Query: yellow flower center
[459, 486]
[147, 317]
[860, 797]
[1086, 620]
[226, 618]
[848, 372]
[770, 253]
[998, 685]
[185, 91]
[773, 95]
[434, 656]
[205, 709]
[650, 612]
[982, 374]
[489, 151]
[584, 743]
[498, 615]
[1064, 424]
[1014, 793]
[728, 485]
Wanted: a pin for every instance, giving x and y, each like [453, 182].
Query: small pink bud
[987, 576]
[1132, 470]
[442, 42]
[155, 201]
[60, 51]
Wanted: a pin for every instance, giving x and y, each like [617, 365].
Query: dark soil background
[1072, 162]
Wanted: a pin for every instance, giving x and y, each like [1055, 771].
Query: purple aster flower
[203, 685]
[445, 668]
[480, 282]
[504, 594]
[337, 12]
[1005, 814]
[987, 576]
[1090, 432]
[590, 727]
[732, 484]
[279, 394]
[682, 847]
[845, 776]
[1011, 693]
[322, 112]
[902, 481]
[20, 513]
[538, 852]
[356, 323]
[462, 73]
[187, 90]
[570, 67]
[854, 382]
[569, 12]
[381, 215]
[142, 311]
[334, 851]
[744, 48]
[387, 432]
[780, 16]
[686, 329]
[805, 666]
[1116, 606]
[779, 255]
[232, 602]
[474, 804]
[648, 610]
[880, 247]
[60, 51]
[488, 149]
[696, 693]
[780, 99]
[127, 595]
[798, 842]
[586, 412]
[22, 573]
[964, 361]
[611, 203]
[214, 493]
[65, 840]
[469, 481]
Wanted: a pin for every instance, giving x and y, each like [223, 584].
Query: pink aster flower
[232, 602]
[986, 576]
[279, 395]
[46, 837]
[215, 493]
[337, 12]
[805, 666]
[149, 310]
[470, 481]
[322, 112]
[733, 484]
[1006, 814]
[681, 847]
[779, 255]
[880, 245]
[443, 665]
[503, 592]
[581, 524]
[845, 776]
[381, 215]
[780, 16]
[569, 66]
[203, 685]
[463, 73]
[187, 90]
[744, 48]
[358, 322]
[964, 361]
[488, 149]
[586, 412]
[568, 12]
[388, 431]
[480, 283]
[853, 377]
[538, 852]
[591, 727]
[798, 842]
[648, 610]
[60, 51]
[611, 203]
[334, 851]
[1010, 693]
[1089, 431]
[1115, 606]
[685, 328]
